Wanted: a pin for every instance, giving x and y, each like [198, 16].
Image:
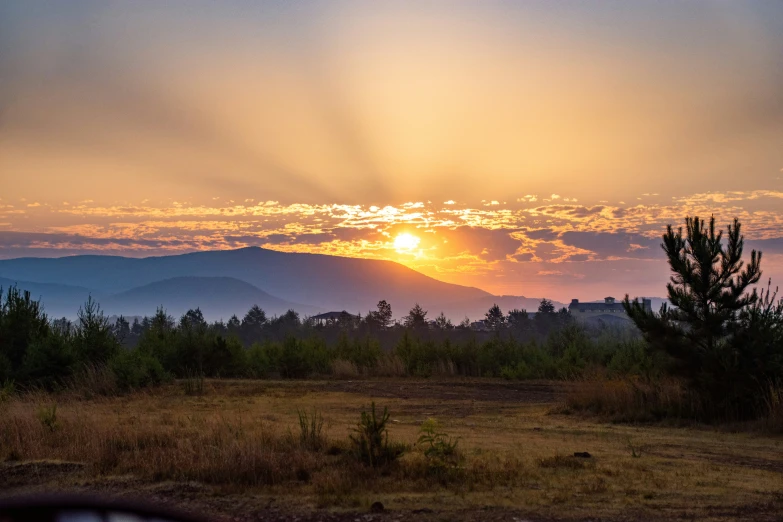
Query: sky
[526, 148]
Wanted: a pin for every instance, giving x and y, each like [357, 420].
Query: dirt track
[482, 391]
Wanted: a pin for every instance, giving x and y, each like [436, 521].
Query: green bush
[370, 441]
[134, 369]
[259, 363]
[439, 448]
[633, 359]
[224, 357]
[362, 352]
[48, 361]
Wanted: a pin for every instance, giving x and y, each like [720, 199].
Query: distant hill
[59, 300]
[217, 297]
[324, 282]
[310, 283]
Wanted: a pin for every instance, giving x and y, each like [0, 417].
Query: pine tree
[416, 318]
[710, 292]
[494, 317]
[443, 323]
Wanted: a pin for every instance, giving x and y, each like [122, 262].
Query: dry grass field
[234, 450]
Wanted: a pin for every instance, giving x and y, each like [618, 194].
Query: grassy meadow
[232, 447]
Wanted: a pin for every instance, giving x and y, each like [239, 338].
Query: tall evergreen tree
[94, 340]
[494, 317]
[382, 317]
[443, 323]
[22, 323]
[416, 318]
[711, 295]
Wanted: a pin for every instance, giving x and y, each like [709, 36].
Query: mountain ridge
[317, 280]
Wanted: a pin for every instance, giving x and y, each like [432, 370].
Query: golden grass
[243, 437]
[632, 400]
[387, 365]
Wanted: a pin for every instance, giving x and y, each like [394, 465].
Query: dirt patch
[674, 451]
[478, 391]
[14, 474]
[204, 501]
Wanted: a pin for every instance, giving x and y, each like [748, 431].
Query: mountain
[323, 282]
[225, 282]
[217, 297]
[59, 300]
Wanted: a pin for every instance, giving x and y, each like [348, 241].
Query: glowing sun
[406, 242]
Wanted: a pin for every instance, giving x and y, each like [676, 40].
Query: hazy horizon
[532, 148]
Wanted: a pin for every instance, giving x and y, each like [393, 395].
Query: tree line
[722, 337]
[35, 351]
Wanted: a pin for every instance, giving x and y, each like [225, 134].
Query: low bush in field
[439, 449]
[370, 441]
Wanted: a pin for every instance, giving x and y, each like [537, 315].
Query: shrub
[439, 448]
[371, 444]
[311, 435]
[48, 361]
[259, 364]
[224, 357]
[134, 369]
[363, 353]
[632, 358]
[296, 358]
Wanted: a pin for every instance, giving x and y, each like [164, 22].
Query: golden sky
[533, 148]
